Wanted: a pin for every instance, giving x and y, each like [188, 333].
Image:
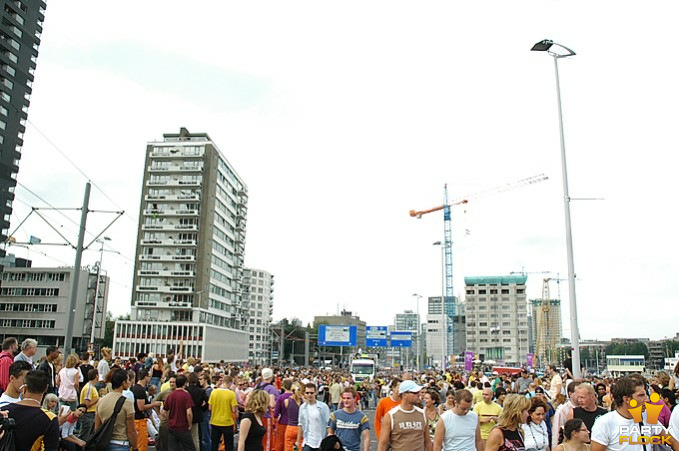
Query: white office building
[258, 300]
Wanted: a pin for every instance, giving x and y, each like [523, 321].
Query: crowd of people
[172, 403]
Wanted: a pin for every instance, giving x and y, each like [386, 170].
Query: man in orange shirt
[386, 404]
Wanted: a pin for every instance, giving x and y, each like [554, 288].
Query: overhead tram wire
[89, 179]
[111, 248]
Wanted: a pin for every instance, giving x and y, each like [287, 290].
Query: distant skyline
[343, 117]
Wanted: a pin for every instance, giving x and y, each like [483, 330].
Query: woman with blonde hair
[252, 427]
[508, 434]
[68, 380]
[292, 408]
[103, 366]
[51, 404]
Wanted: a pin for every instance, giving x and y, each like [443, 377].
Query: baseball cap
[267, 373]
[409, 386]
[539, 390]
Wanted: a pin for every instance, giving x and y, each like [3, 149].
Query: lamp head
[546, 46]
[543, 45]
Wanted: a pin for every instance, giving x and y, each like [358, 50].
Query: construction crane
[547, 319]
[448, 239]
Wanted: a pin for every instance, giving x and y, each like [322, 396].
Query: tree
[109, 328]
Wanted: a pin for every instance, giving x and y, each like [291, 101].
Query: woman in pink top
[68, 380]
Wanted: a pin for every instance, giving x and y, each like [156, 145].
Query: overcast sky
[343, 116]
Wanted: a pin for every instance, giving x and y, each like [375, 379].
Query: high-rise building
[454, 329]
[188, 275]
[258, 300]
[497, 318]
[406, 321]
[19, 40]
[34, 304]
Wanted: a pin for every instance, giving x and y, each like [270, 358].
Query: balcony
[169, 227]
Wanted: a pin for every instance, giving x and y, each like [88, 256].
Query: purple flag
[468, 360]
[529, 361]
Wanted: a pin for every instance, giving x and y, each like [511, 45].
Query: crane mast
[449, 298]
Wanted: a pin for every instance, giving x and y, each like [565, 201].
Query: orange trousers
[290, 437]
[142, 434]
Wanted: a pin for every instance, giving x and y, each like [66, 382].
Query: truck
[362, 369]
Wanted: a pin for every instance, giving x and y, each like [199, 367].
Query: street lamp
[96, 292]
[419, 329]
[564, 52]
[444, 322]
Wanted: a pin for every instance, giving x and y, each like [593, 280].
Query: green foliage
[637, 348]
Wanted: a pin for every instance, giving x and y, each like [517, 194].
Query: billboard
[336, 335]
[376, 336]
[401, 339]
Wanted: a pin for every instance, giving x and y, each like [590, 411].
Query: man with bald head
[488, 412]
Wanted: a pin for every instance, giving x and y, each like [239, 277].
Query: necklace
[543, 436]
[34, 400]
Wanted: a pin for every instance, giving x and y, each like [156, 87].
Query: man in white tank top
[458, 429]
[405, 426]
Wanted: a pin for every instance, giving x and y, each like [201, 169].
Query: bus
[362, 369]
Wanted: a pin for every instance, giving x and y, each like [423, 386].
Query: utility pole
[306, 349]
[76, 272]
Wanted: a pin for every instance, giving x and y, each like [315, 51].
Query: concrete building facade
[34, 303]
[20, 33]
[497, 318]
[258, 299]
[190, 250]
[454, 330]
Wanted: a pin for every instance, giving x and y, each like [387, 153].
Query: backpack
[101, 438]
[7, 442]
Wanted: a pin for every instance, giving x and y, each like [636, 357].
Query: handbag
[101, 438]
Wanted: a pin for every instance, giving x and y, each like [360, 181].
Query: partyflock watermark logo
[650, 433]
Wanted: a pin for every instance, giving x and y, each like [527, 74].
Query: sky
[343, 116]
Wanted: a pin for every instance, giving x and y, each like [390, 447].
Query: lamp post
[419, 329]
[564, 52]
[444, 322]
[96, 292]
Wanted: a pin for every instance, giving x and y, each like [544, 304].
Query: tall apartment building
[258, 300]
[497, 317]
[188, 274]
[20, 32]
[34, 304]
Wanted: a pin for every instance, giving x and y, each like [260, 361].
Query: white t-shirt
[6, 399]
[316, 432]
[535, 436]
[606, 431]
[460, 431]
[673, 428]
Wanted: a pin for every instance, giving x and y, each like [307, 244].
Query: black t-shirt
[139, 393]
[198, 396]
[588, 417]
[33, 426]
[253, 442]
[85, 368]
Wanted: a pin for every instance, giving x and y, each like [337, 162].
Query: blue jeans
[205, 441]
[112, 447]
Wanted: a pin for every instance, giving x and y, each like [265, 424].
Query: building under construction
[546, 326]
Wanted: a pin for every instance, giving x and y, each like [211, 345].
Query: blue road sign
[336, 335]
[401, 339]
[376, 336]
